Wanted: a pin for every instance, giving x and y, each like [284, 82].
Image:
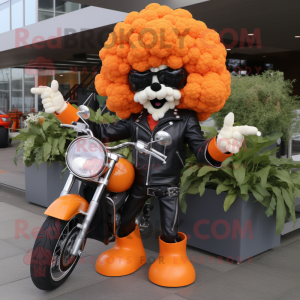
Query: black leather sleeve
[197, 143]
[112, 132]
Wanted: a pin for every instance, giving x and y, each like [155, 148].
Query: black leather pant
[169, 207]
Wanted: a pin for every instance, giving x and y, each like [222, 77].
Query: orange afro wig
[159, 35]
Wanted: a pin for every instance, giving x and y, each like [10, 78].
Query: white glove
[52, 99]
[230, 138]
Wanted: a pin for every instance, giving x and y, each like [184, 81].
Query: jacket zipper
[151, 140]
[137, 152]
[143, 128]
[165, 147]
[149, 165]
[180, 158]
[176, 213]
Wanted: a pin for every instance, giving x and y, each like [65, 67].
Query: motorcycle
[71, 219]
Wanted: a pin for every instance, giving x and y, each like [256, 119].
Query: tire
[3, 137]
[49, 271]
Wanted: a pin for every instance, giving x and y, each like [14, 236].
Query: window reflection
[46, 4]
[65, 6]
[43, 81]
[4, 90]
[44, 15]
[16, 14]
[16, 88]
[4, 17]
[29, 12]
[29, 99]
[67, 80]
[46, 10]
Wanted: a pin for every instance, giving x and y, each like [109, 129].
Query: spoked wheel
[51, 260]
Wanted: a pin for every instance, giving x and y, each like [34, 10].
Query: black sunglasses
[169, 77]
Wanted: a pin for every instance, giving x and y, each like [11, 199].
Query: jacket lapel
[142, 120]
[170, 115]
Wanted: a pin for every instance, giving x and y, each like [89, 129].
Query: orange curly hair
[159, 35]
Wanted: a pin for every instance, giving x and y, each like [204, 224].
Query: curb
[11, 189]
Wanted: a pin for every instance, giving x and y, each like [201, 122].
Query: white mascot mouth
[158, 102]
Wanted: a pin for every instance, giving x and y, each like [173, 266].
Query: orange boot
[172, 267]
[126, 256]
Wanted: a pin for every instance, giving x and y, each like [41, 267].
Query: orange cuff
[214, 151]
[68, 115]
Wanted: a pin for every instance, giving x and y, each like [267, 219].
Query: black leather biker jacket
[184, 128]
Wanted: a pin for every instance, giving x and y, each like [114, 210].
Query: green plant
[264, 101]
[272, 181]
[43, 140]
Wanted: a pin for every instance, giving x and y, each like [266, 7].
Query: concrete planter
[240, 233]
[43, 186]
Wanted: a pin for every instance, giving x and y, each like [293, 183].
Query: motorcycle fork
[68, 185]
[89, 215]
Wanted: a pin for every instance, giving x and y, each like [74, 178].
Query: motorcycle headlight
[86, 157]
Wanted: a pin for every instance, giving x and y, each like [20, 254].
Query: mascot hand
[52, 99]
[230, 138]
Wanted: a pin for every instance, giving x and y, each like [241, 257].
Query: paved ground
[274, 274]
[10, 174]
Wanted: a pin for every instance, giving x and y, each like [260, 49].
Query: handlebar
[121, 146]
[140, 146]
[79, 127]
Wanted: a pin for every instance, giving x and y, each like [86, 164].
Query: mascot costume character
[161, 70]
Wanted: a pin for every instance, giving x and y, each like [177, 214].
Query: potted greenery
[239, 210]
[43, 146]
[264, 101]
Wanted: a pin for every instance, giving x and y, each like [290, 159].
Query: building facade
[63, 39]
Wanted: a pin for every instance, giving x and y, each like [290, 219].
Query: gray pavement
[274, 274]
[10, 174]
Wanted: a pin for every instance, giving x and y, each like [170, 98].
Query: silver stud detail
[175, 109]
[140, 116]
[137, 120]
[171, 123]
[175, 113]
[177, 117]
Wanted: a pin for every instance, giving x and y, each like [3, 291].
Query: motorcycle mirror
[84, 112]
[163, 138]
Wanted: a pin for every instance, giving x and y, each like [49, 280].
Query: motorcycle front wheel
[51, 261]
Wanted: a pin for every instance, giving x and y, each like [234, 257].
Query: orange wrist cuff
[68, 115]
[214, 151]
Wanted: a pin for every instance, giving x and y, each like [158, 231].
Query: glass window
[16, 14]
[46, 5]
[65, 6]
[66, 80]
[16, 88]
[29, 101]
[4, 17]
[43, 81]
[44, 15]
[59, 14]
[4, 90]
[29, 12]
